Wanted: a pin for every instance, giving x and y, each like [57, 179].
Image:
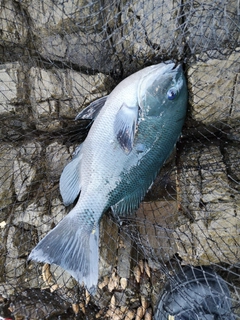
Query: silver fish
[134, 131]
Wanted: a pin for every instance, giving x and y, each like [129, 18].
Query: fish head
[162, 91]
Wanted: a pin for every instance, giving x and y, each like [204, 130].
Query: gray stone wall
[55, 58]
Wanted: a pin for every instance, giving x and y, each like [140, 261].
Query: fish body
[134, 131]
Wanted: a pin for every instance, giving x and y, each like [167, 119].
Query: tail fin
[72, 245]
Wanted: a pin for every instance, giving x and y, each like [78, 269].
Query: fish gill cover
[56, 58]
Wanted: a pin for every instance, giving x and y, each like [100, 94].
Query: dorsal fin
[92, 111]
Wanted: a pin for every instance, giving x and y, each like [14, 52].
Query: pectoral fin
[92, 111]
[125, 126]
[70, 184]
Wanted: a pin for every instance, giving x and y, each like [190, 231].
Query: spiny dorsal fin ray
[92, 111]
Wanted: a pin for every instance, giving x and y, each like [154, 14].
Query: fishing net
[58, 56]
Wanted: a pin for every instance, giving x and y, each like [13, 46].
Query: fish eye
[172, 93]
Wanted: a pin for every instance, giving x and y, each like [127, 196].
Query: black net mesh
[58, 56]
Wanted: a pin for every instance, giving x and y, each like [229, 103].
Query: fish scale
[146, 167]
[135, 129]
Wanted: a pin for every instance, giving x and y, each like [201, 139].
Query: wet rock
[53, 47]
[101, 298]
[31, 214]
[156, 222]
[210, 239]
[218, 241]
[17, 237]
[142, 23]
[17, 251]
[203, 178]
[30, 151]
[232, 160]
[87, 88]
[61, 93]
[214, 180]
[47, 84]
[121, 298]
[57, 16]
[189, 181]
[38, 221]
[58, 210]
[234, 133]
[65, 33]
[47, 87]
[7, 156]
[24, 175]
[38, 215]
[91, 51]
[62, 278]
[37, 304]
[57, 157]
[125, 254]
[25, 171]
[208, 231]
[213, 88]
[12, 87]
[218, 21]
[13, 24]
[235, 111]
[108, 245]
[3, 249]
[6, 290]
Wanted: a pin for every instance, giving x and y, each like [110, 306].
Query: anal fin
[127, 205]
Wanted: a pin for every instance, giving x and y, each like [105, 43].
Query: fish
[134, 131]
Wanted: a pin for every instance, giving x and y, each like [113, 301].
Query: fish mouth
[172, 67]
[177, 67]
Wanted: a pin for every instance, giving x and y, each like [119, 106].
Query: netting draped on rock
[55, 58]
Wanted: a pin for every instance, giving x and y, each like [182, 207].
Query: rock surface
[13, 24]
[214, 95]
[12, 87]
[217, 28]
[141, 24]
[7, 155]
[210, 208]
[58, 94]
